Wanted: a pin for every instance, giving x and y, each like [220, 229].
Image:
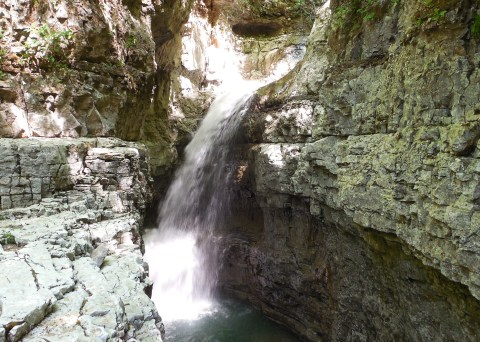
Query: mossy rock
[7, 239]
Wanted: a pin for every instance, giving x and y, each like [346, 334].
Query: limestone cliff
[357, 213]
[90, 68]
[71, 207]
[72, 201]
[364, 178]
[70, 245]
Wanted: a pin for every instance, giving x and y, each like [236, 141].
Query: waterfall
[181, 252]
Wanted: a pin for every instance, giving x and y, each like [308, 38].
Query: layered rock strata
[82, 68]
[71, 264]
[364, 178]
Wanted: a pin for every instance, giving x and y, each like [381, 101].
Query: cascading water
[181, 252]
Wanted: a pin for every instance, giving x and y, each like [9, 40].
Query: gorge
[354, 178]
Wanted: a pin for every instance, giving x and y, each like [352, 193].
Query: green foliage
[476, 26]
[131, 41]
[419, 21]
[7, 239]
[427, 3]
[341, 15]
[48, 47]
[299, 6]
[304, 8]
[438, 14]
[3, 54]
[289, 8]
[366, 9]
[3, 75]
[433, 12]
[351, 13]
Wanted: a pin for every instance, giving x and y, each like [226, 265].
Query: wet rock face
[364, 180]
[71, 262]
[328, 280]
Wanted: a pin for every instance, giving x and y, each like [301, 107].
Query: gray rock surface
[140, 70]
[364, 178]
[79, 68]
[74, 68]
[71, 266]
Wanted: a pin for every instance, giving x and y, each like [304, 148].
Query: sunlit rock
[71, 264]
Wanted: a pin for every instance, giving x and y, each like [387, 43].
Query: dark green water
[231, 321]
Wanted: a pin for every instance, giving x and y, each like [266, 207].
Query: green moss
[476, 26]
[8, 239]
[352, 13]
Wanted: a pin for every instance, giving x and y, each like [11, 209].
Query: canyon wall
[75, 78]
[91, 68]
[357, 216]
[73, 75]
[358, 183]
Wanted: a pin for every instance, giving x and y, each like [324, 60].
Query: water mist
[181, 252]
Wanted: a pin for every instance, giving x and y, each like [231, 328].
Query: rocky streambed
[71, 264]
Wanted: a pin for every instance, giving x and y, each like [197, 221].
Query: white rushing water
[181, 251]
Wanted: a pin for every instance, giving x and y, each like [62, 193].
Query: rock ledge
[71, 264]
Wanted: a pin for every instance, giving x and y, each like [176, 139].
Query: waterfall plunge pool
[189, 317]
[228, 321]
[181, 252]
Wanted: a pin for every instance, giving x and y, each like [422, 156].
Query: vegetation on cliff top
[350, 15]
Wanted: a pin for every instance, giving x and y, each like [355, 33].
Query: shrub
[131, 41]
[48, 47]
